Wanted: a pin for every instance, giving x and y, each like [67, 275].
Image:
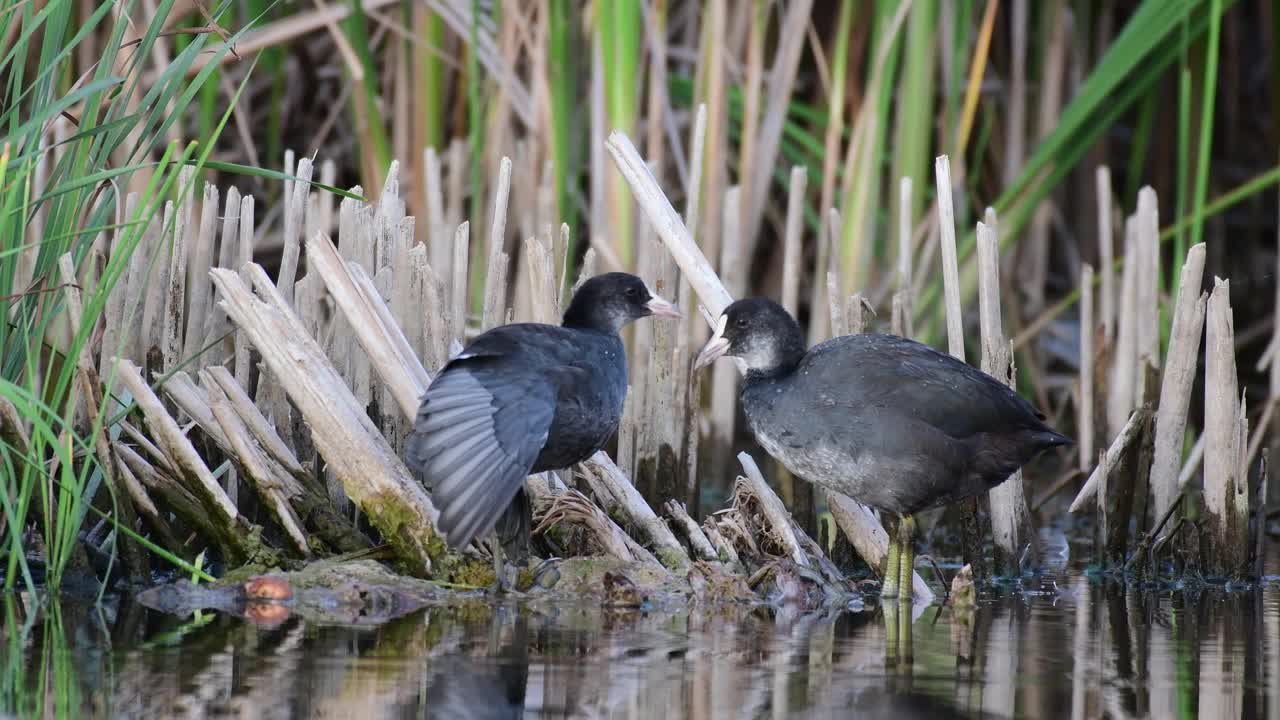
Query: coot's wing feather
[927, 385]
[481, 424]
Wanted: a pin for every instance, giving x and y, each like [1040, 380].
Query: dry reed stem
[438, 237]
[229, 527]
[244, 256]
[458, 288]
[667, 223]
[1179, 378]
[254, 420]
[165, 462]
[495, 285]
[618, 488]
[133, 333]
[1127, 435]
[1122, 393]
[114, 326]
[1148, 279]
[1084, 409]
[1008, 502]
[216, 323]
[175, 287]
[950, 268]
[792, 241]
[542, 293]
[1226, 490]
[1106, 252]
[384, 344]
[723, 547]
[839, 323]
[724, 377]
[775, 513]
[857, 314]
[359, 456]
[1034, 248]
[903, 302]
[781, 78]
[274, 488]
[193, 401]
[698, 539]
[199, 300]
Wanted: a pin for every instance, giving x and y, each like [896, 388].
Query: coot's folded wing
[479, 429]
[932, 387]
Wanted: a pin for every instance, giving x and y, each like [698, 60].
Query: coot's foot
[547, 573]
[505, 574]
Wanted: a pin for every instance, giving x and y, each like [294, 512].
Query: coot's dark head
[611, 300]
[760, 333]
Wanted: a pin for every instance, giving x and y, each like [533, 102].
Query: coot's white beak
[715, 348]
[660, 307]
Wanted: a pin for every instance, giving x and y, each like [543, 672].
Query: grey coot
[887, 421]
[523, 398]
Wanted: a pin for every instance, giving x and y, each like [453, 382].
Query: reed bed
[262, 418]
[234, 368]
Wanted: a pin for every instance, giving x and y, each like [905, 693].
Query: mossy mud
[366, 592]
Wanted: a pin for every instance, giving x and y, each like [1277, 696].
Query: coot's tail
[1049, 438]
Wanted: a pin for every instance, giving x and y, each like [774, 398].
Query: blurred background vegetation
[1027, 98]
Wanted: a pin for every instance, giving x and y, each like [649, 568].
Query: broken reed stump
[973, 525]
[1179, 377]
[1010, 518]
[1226, 486]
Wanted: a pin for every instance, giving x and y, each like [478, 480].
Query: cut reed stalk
[1106, 253]
[1129, 434]
[903, 303]
[1084, 409]
[950, 270]
[1009, 514]
[1122, 388]
[792, 241]
[1226, 489]
[353, 448]
[1179, 378]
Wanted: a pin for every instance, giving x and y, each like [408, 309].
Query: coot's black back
[524, 398]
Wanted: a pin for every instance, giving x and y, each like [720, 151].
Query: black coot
[887, 421]
[524, 398]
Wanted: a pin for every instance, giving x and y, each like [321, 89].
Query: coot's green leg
[502, 582]
[889, 584]
[906, 558]
[891, 631]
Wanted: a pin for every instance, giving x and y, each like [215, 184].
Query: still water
[1071, 645]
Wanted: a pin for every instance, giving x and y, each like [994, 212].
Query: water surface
[1061, 646]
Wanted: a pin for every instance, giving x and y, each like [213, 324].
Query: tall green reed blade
[376, 147]
[914, 115]
[620, 25]
[431, 106]
[563, 71]
[862, 187]
[1206, 118]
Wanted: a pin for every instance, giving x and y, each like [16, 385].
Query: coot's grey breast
[894, 423]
